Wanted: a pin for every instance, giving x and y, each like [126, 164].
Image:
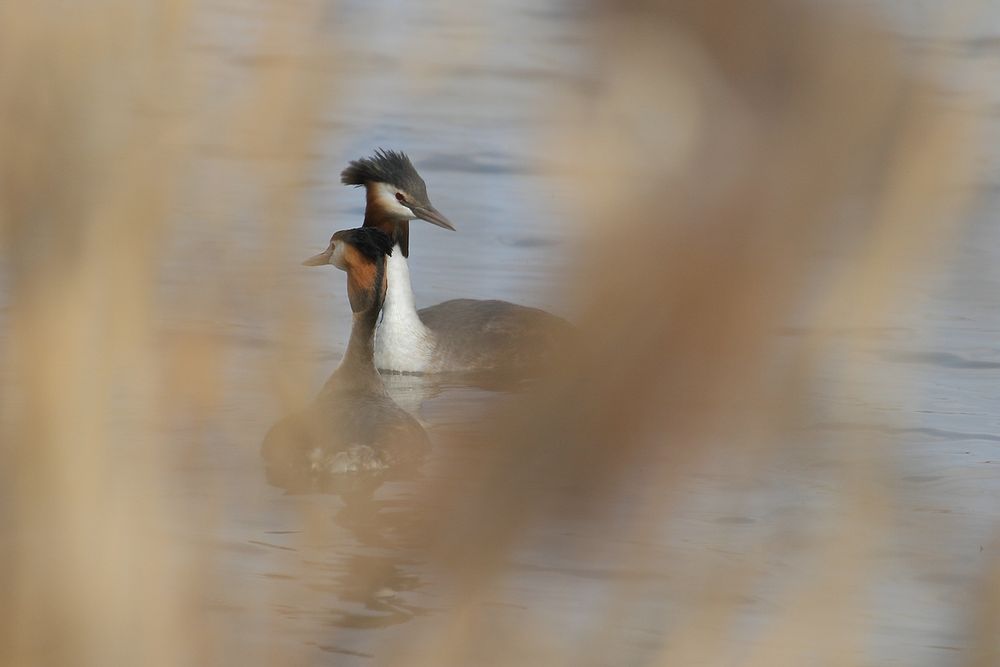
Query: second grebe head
[361, 253]
[394, 187]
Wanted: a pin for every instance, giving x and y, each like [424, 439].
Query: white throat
[402, 342]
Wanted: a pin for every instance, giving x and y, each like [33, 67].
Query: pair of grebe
[353, 425]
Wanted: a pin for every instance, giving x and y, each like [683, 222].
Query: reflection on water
[941, 359]
[351, 560]
[376, 526]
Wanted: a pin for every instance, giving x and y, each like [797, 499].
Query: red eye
[400, 198]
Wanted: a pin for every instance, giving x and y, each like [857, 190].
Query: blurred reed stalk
[720, 153]
[104, 109]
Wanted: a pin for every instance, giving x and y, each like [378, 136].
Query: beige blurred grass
[103, 110]
[714, 155]
[720, 154]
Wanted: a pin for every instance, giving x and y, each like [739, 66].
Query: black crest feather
[369, 241]
[386, 166]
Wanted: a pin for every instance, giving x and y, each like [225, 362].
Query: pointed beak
[320, 259]
[433, 216]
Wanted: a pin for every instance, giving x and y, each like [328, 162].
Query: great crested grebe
[352, 426]
[455, 336]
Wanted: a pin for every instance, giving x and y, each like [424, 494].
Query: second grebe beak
[431, 215]
[320, 259]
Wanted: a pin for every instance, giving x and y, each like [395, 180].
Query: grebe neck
[357, 369]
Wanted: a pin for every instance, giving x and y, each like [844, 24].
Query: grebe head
[361, 253]
[394, 187]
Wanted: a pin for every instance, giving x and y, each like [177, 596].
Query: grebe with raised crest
[460, 335]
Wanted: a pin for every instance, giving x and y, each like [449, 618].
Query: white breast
[402, 342]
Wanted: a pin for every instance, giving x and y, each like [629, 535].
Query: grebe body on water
[352, 426]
